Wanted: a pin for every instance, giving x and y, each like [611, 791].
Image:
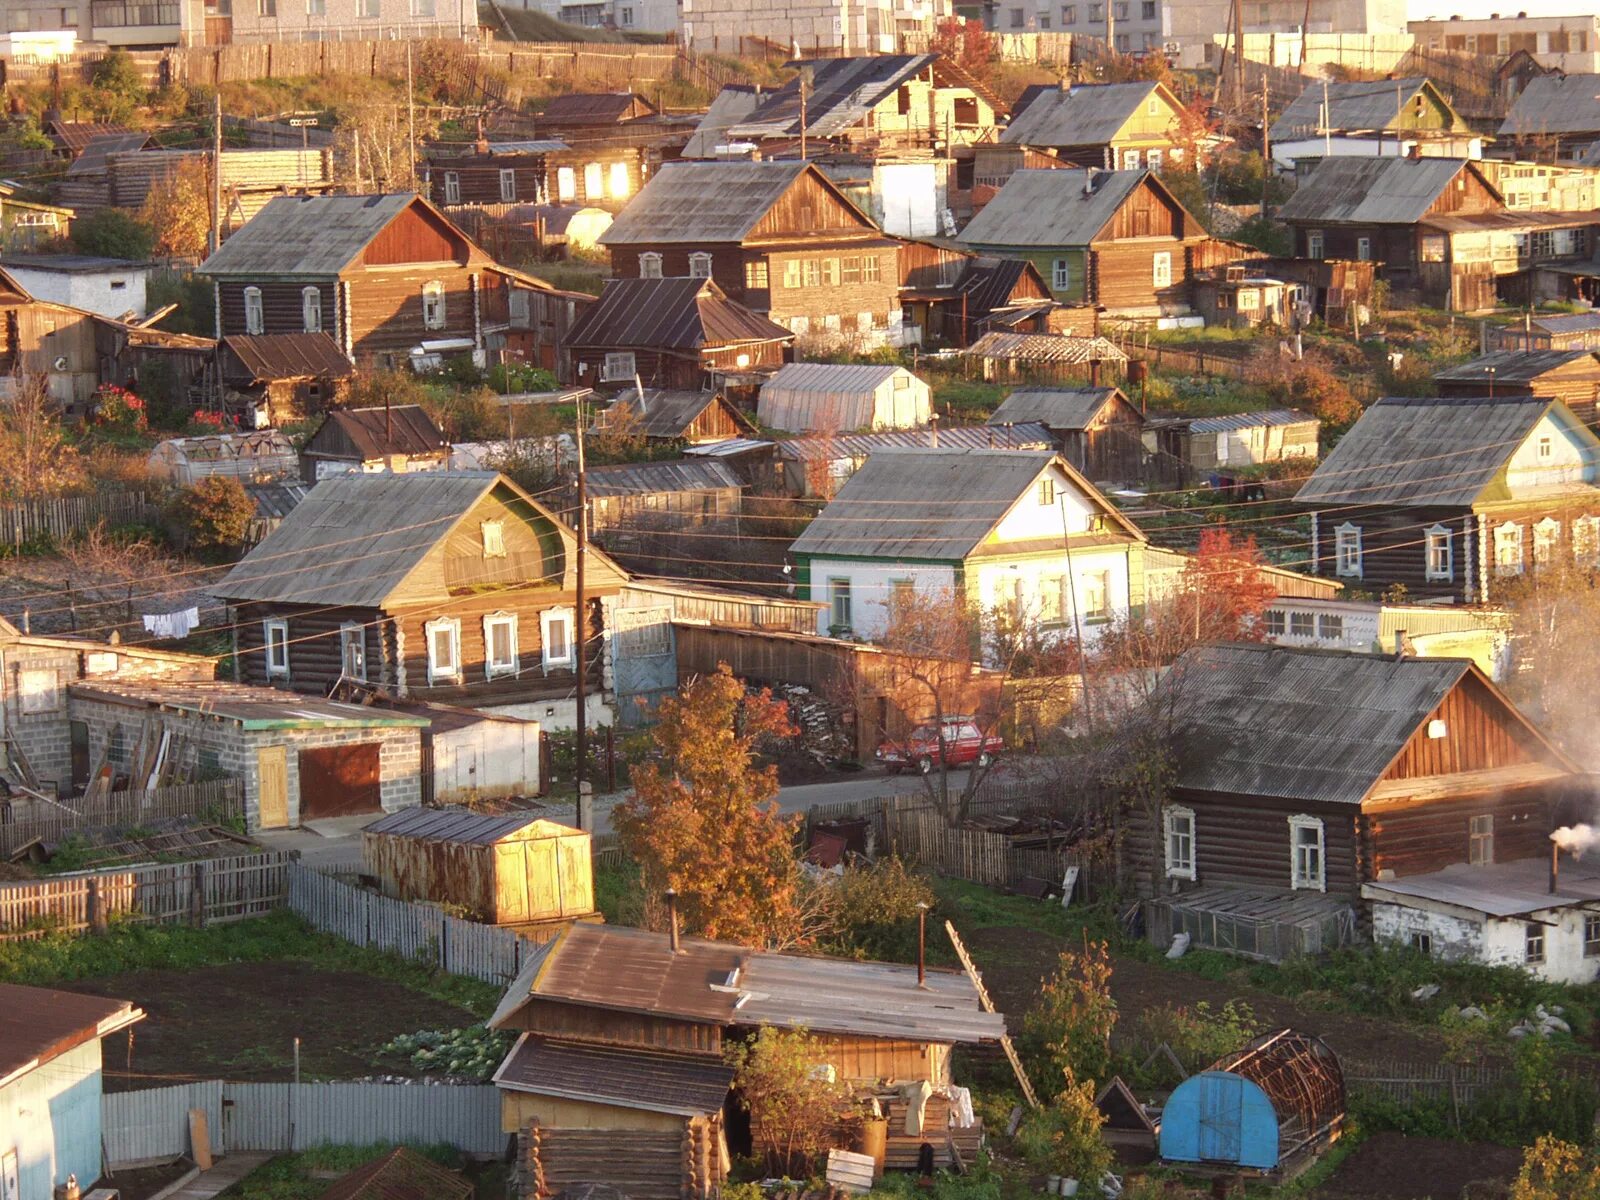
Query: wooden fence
[218, 801]
[70, 516]
[922, 835]
[203, 892]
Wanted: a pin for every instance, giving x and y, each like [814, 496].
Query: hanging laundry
[173, 624]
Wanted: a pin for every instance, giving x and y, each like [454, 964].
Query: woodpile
[160, 758]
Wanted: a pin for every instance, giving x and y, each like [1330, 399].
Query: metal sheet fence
[70, 516]
[153, 1124]
[219, 801]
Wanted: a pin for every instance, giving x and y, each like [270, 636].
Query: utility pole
[214, 238]
[1238, 57]
[355, 135]
[1111, 27]
[805, 82]
[579, 637]
[1266, 148]
[411, 119]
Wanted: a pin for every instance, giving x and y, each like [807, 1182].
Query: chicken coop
[510, 869]
[1273, 1106]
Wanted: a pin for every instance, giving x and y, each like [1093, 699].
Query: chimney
[922, 944]
[1414, 150]
[672, 920]
[1555, 867]
[933, 431]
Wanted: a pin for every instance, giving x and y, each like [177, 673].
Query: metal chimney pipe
[672, 920]
[922, 944]
[1555, 867]
[933, 431]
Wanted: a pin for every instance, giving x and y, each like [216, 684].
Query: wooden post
[97, 910]
[197, 895]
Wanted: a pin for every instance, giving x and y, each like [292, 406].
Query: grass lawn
[308, 1175]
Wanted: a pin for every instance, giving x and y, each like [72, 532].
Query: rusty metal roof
[39, 1024]
[278, 356]
[376, 432]
[76, 135]
[401, 1174]
[678, 314]
[463, 826]
[690, 1085]
[249, 705]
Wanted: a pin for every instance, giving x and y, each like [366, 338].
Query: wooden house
[1545, 331]
[1555, 115]
[1523, 487]
[778, 237]
[280, 378]
[812, 397]
[688, 418]
[671, 333]
[1186, 448]
[388, 277]
[491, 173]
[1302, 777]
[1242, 297]
[401, 438]
[1097, 430]
[948, 294]
[1110, 126]
[1570, 376]
[448, 586]
[1118, 239]
[574, 112]
[1372, 117]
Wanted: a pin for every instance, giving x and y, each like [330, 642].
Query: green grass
[970, 398]
[304, 1176]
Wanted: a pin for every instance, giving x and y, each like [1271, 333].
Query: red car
[964, 743]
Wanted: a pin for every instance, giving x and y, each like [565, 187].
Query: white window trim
[547, 618]
[1340, 567]
[311, 309]
[433, 298]
[508, 176]
[493, 534]
[619, 373]
[348, 631]
[699, 261]
[1168, 813]
[1508, 570]
[439, 672]
[1546, 536]
[1161, 269]
[255, 311]
[276, 625]
[1448, 572]
[650, 265]
[1305, 821]
[493, 668]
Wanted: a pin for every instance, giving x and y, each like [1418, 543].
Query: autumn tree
[1555, 611]
[965, 42]
[213, 514]
[178, 210]
[703, 820]
[373, 151]
[794, 1108]
[1311, 384]
[36, 460]
[1068, 1030]
[1553, 1169]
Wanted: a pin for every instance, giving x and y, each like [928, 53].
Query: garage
[340, 781]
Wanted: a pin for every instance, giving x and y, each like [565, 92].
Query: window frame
[869, 268]
[1047, 492]
[1061, 275]
[612, 365]
[1161, 269]
[353, 636]
[1302, 624]
[1175, 866]
[1330, 627]
[439, 671]
[311, 309]
[276, 648]
[1480, 841]
[1534, 948]
[508, 175]
[452, 187]
[841, 600]
[1546, 542]
[1299, 880]
[493, 536]
[255, 311]
[650, 265]
[1591, 935]
[1348, 553]
[1586, 541]
[1504, 569]
[1438, 547]
[494, 668]
[1316, 243]
[548, 619]
[435, 314]
[700, 265]
[1088, 582]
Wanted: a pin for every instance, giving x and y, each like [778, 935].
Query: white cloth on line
[961, 1114]
[173, 624]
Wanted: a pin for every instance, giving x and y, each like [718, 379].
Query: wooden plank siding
[1576, 384]
[583, 1022]
[1479, 734]
[662, 367]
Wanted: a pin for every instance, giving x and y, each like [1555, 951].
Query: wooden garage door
[339, 781]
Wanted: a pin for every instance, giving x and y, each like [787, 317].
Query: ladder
[988, 1006]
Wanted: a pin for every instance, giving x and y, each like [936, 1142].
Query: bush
[213, 516]
[118, 88]
[1198, 1036]
[874, 910]
[1064, 1138]
[1068, 1032]
[113, 233]
[793, 1108]
[505, 378]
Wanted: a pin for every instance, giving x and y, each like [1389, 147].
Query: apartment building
[848, 26]
[132, 24]
[1570, 44]
[1134, 26]
[1191, 28]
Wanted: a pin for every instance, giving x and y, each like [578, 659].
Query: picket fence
[218, 800]
[416, 931]
[205, 892]
[152, 1125]
[69, 516]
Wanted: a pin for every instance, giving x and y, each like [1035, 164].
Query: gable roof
[701, 202]
[1066, 207]
[1429, 451]
[677, 313]
[595, 108]
[988, 283]
[733, 104]
[73, 136]
[266, 357]
[1312, 725]
[401, 1174]
[1057, 408]
[1555, 104]
[1027, 435]
[1357, 106]
[841, 92]
[944, 503]
[669, 413]
[377, 432]
[654, 478]
[94, 157]
[1375, 191]
[1269, 418]
[1513, 366]
[40, 1024]
[1088, 114]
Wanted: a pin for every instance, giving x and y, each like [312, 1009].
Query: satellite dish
[61, 362]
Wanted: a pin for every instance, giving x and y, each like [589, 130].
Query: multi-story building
[133, 24]
[1569, 43]
[336, 20]
[1133, 26]
[1194, 30]
[848, 26]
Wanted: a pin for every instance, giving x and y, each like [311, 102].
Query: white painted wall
[870, 588]
[486, 760]
[1460, 937]
[1570, 460]
[997, 582]
[109, 293]
[907, 196]
[558, 716]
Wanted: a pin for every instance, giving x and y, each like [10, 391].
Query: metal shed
[510, 869]
[805, 397]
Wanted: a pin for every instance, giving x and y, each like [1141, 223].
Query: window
[1017, 20]
[1363, 249]
[850, 269]
[500, 645]
[1330, 627]
[594, 181]
[830, 272]
[1050, 599]
[700, 265]
[1347, 551]
[1508, 549]
[266, 8]
[869, 268]
[311, 309]
[1249, 299]
[1586, 541]
[1314, 243]
[649, 265]
[1422, 943]
[566, 181]
[625, 17]
[1147, 10]
[1591, 935]
[619, 367]
[494, 539]
[1179, 838]
[452, 187]
[422, 8]
[39, 690]
[1130, 160]
[1306, 850]
[254, 316]
[812, 271]
[1122, 10]
[755, 274]
[791, 273]
[353, 651]
[508, 185]
[1546, 536]
[1061, 275]
[444, 649]
[275, 636]
[316, 8]
[433, 305]
[1480, 840]
[617, 181]
[1161, 269]
[901, 593]
[1302, 625]
[1275, 622]
[1122, 43]
[1546, 450]
[555, 630]
[1095, 592]
[1439, 554]
[838, 605]
[1152, 159]
[1069, 14]
[1533, 944]
[1047, 491]
[1097, 12]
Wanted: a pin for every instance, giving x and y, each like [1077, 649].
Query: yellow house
[1118, 126]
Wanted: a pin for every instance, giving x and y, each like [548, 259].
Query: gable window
[353, 651]
[1314, 243]
[311, 309]
[433, 304]
[1546, 536]
[1533, 944]
[254, 315]
[1347, 550]
[566, 184]
[1480, 840]
[1508, 549]
[1152, 106]
[555, 636]
[494, 539]
[1439, 554]
[1047, 491]
[1061, 274]
[700, 265]
[452, 187]
[1586, 541]
[1178, 835]
[275, 636]
[1546, 449]
[500, 645]
[1161, 269]
[1363, 249]
[649, 265]
[839, 604]
[444, 649]
[508, 185]
[619, 367]
[1307, 865]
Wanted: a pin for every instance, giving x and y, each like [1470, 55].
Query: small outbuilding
[278, 378]
[258, 456]
[662, 415]
[510, 869]
[1097, 429]
[401, 438]
[678, 492]
[470, 754]
[1195, 445]
[808, 397]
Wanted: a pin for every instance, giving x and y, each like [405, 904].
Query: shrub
[1198, 1036]
[118, 88]
[119, 410]
[213, 516]
[1064, 1138]
[113, 233]
[1070, 1027]
[874, 909]
[510, 377]
[793, 1107]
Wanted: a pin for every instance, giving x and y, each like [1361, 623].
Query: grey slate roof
[1560, 104]
[1089, 114]
[1059, 408]
[1511, 366]
[1051, 208]
[1267, 419]
[1372, 191]
[842, 92]
[733, 104]
[1358, 106]
[1313, 725]
[306, 235]
[1426, 451]
[702, 202]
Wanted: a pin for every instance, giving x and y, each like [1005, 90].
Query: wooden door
[511, 884]
[339, 781]
[543, 872]
[577, 877]
[272, 787]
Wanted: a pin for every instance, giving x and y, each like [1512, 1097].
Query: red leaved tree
[1225, 592]
[964, 42]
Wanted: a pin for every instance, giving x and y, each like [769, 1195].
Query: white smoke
[1576, 840]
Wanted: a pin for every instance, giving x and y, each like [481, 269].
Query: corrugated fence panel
[154, 1124]
[284, 1116]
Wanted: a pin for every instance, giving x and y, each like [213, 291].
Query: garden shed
[807, 397]
[1270, 1106]
[508, 869]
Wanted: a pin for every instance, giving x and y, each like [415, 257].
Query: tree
[964, 42]
[1071, 1023]
[1312, 384]
[117, 89]
[1556, 1170]
[1184, 182]
[214, 514]
[1554, 613]
[35, 459]
[794, 1108]
[178, 211]
[379, 127]
[113, 233]
[703, 820]
[1064, 1138]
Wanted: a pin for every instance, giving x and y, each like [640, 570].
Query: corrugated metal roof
[1360, 106]
[249, 705]
[1271, 418]
[1373, 191]
[92, 160]
[690, 1085]
[280, 356]
[1428, 451]
[76, 135]
[1555, 104]
[1088, 115]
[311, 236]
[734, 103]
[274, 501]
[666, 414]
[833, 377]
[654, 478]
[702, 202]
[809, 396]
[1517, 888]
[1052, 208]
[1311, 725]
[613, 966]
[678, 313]
[1512, 366]
[841, 92]
[1045, 347]
[988, 283]
[1023, 435]
[1500, 222]
[401, 1174]
[40, 1024]
[460, 825]
[730, 448]
[592, 108]
[1568, 322]
[1057, 408]
[378, 432]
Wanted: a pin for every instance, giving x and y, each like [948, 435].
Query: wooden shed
[1097, 429]
[1571, 376]
[510, 869]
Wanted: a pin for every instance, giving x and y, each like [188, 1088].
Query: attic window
[494, 540]
[649, 265]
[700, 265]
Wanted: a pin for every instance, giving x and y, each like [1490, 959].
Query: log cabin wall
[656, 368]
[582, 1022]
[1122, 275]
[315, 645]
[385, 316]
[798, 287]
[478, 179]
[1418, 838]
[282, 305]
[1393, 549]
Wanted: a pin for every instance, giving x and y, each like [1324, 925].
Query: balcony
[137, 22]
